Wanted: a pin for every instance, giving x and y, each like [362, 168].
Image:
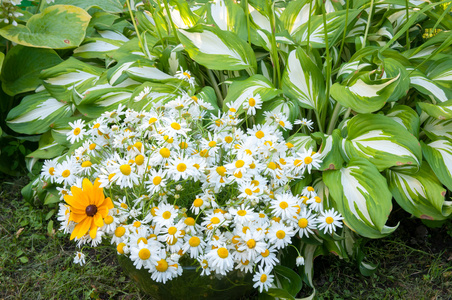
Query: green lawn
[415, 262]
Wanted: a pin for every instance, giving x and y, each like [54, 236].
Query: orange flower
[89, 207]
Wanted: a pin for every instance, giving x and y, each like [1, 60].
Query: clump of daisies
[179, 184]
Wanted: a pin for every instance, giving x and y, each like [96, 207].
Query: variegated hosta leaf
[303, 80]
[111, 6]
[22, 66]
[48, 148]
[392, 69]
[428, 87]
[362, 197]
[61, 79]
[439, 157]
[286, 106]
[365, 95]
[440, 72]
[181, 15]
[157, 95]
[131, 50]
[335, 23]
[228, 16]
[382, 141]
[98, 48]
[420, 193]
[172, 60]
[240, 91]
[438, 129]
[406, 117]
[330, 151]
[259, 17]
[141, 70]
[37, 112]
[207, 94]
[217, 49]
[302, 142]
[323, 192]
[99, 101]
[296, 14]
[56, 27]
[442, 111]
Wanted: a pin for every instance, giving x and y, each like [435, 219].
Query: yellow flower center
[66, 173]
[282, 123]
[280, 234]
[139, 159]
[172, 230]
[212, 144]
[175, 126]
[187, 75]
[271, 165]
[198, 202]
[260, 134]
[152, 120]
[283, 205]
[297, 162]
[241, 212]
[265, 253]
[263, 278]
[110, 177]
[310, 189]
[240, 163]
[108, 220]
[317, 199]
[183, 145]
[144, 254]
[125, 169]
[249, 192]
[303, 223]
[120, 248]
[251, 243]
[329, 220]
[215, 220]
[307, 160]
[189, 221]
[194, 241]
[142, 239]
[77, 131]
[228, 139]
[136, 224]
[165, 152]
[181, 167]
[223, 252]
[51, 171]
[86, 164]
[166, 215]
[120, 231]
[289, 145]
[221, 171]
[157, 180]
[252, 102]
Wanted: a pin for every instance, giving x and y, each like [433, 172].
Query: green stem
[368, 22]
[334, 117]
[309, 27]
[408, 31]
[319, 121]
[168, 12]
[343, 35]
[328, 60]
[274, 50]
[223, 85]
[135, 25]
[247, 13]
[347, 113]
[215, 87]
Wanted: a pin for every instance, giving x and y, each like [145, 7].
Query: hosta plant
[363, 84]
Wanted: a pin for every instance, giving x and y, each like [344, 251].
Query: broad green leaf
[365, 95]
[288, 279]
[420, 193]
[48, 151]
[36, 113]
[439, 157]
[142, 71]
[407, 117]
[181, 15]
[239, 91]
[335, 23]
[438, 129]
[286, 106]
[382, 141]
[303, 80]
[99, 101]
[111, 6]
[392, 69]
[362, 197]
[428, 87]
[217, 49]
[22, 66]
[62, 79]
[207, 94]
[57, 27]
[2, 59]
[440, 72]
[330, 151]
[296, 14]
[228, 16]
[442, 110]
[98, 48]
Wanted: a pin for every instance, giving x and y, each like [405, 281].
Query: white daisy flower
[144, 256]
[66, 172]
[194, 245]
[144, 93]
[284, 206]
[77, 131]
[305, 222]
[186, 76]
[252, 103]
[329, 220]
[305, 122]
[79, 258]
[220, 260]
[315, 203]
[262, 279]
[280, 235]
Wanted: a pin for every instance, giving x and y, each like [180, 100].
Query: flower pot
[191, 285]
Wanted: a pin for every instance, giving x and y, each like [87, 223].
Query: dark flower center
[91, 210]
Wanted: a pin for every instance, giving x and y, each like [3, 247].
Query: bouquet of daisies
[180, 182]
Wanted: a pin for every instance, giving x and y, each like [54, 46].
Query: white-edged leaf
[439, 157]
[438, 129]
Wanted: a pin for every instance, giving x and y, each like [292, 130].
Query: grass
[415, 262]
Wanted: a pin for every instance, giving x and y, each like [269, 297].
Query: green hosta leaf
[440, 72]
[362, 197]
[303, 81]
[335, 23]
[228, 16]
[158, 93]
[439, 157]
[288, 279]
[365, 95]
[428, 87]
[438, 129]
[382, 141]
[57, 27]
[61, 79]
[2, 59]
[217, 49]
[239, 91]
[20, 72]
[296, 14]
[442, 111]
[36, 113]
[98, 101]
[420, 194]
[393, 69]
[111, 6]
[406, 117]
[143, 71]
[98, 48]
[181, 14]
[207, 94]
[330, 150]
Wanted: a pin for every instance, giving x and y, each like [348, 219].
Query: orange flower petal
[98, 220]
[77, 218]
[82, 228]
[74, 202]
[93, 231]
[103, 211]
